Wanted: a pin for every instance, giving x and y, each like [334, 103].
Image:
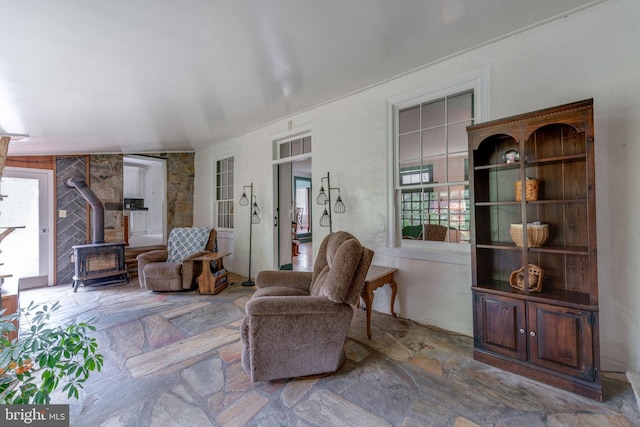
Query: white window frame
[456, 253]
[287, 137]
[215, 194]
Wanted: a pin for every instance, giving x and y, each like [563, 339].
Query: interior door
[28, 204]
[285, 204]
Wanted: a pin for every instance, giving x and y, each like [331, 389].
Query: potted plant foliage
[45, 356]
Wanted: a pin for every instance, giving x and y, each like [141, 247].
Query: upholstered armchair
[435, 232]
[173, 269]
[296, 322]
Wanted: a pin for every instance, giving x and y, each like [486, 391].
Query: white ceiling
[102, 76]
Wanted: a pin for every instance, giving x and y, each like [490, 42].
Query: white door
[27, 204]
[285, 202]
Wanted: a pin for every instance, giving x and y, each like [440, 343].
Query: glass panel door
[25, 252]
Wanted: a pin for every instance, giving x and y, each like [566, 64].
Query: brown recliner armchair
[296, 322]
[173, 269]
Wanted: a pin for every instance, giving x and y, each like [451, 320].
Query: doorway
[291, 160]
[302, 250]
[302, 202]
[144, 191]
[27, 204]
[294, 215]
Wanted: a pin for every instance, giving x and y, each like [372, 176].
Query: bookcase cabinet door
[500, 325]
[561, 339]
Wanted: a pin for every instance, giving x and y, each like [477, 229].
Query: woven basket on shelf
[535, 273]
[531, 189]
[537, 234]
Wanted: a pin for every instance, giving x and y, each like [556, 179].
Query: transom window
[294, 147]
[224, 193]
[432, 168]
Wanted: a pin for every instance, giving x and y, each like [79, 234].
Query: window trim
[292, 134]
[478, 81]
[215, 200]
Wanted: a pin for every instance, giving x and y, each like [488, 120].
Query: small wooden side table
[10, 302]
[376, 277]
[211, 281]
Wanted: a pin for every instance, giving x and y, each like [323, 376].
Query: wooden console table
[376, 277]
[212, 280]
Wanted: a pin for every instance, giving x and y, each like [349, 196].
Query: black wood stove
[96, 263]
[99, 264]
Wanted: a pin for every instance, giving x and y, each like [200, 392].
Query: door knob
[533, 334]
[521, 330]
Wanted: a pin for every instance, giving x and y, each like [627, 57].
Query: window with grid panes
[432, 180]
[224, 193]
[294, 147]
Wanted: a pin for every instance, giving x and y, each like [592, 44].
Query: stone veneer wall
[180, 178]
[106, 181]
[107, 184]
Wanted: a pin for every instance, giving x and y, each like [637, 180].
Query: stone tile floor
[173, 359]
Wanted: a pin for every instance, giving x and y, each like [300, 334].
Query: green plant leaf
[63, 355]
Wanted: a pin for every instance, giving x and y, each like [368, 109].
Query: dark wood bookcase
[549, 335]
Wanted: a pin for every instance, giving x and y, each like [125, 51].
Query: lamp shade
[244, 201]
[339, 207]
[325, 219]
[322, 197]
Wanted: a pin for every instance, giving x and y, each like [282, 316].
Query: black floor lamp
[324, 198]
[253, 219]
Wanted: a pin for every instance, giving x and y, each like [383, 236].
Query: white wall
[592, 54]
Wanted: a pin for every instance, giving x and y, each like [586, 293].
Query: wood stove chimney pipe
[97, 209]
